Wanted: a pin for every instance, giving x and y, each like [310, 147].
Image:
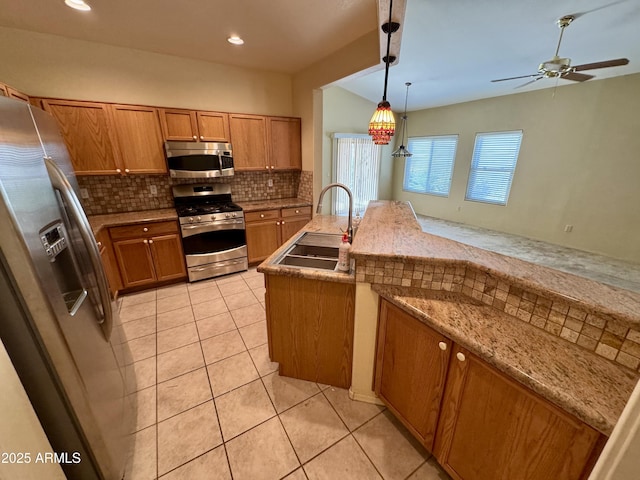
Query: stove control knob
[190, 219]
[227, 215]
[199, 218]
[233, 214]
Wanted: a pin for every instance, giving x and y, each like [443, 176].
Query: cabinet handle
[442, 345]
[195, 137]
[150, 241]
[145, 241]
[118, 170]
[460, 356]
[126, 170]
[262, 215]
[145, 229]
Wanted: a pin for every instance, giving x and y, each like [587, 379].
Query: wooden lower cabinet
[310, 328]
[489, 427]
[411, 369]
[148, 253]
[109, 262]
[493, 428]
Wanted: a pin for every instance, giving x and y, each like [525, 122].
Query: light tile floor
[211, 404]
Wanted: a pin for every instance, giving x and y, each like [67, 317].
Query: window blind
[356, 163]
[429, 169]
[492, 166]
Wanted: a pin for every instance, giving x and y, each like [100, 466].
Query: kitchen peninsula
[564, 342]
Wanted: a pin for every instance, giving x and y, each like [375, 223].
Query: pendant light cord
[386, 73]
[404, 116]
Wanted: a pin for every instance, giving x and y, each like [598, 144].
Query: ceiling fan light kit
[559, 67]
[382, 125]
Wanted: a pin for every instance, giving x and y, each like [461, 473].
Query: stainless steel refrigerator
[57, 320]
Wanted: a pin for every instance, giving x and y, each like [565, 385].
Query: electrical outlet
[84, 193]
[153, 189]
[270, 182]
[568, 228]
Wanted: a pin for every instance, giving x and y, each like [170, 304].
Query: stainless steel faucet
[346, 189]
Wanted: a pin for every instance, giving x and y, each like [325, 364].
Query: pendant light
[382, 125]
[402, 151]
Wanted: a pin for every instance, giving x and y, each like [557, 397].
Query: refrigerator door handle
[60, 183]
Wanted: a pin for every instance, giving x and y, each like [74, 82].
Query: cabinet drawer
[143, 230]
[261, 215]
[296, 211]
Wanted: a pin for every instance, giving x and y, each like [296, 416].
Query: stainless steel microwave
[199, 159]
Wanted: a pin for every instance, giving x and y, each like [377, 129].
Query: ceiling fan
[561, 67]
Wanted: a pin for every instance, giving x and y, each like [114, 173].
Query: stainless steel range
[213, 230]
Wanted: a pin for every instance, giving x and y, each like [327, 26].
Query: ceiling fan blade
[577, 77]
[618, 62]
[514, 78]
[530, 82]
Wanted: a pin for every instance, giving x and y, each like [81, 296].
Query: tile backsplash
[603, 334]
[131, 193]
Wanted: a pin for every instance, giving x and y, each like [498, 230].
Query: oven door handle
[188, 230]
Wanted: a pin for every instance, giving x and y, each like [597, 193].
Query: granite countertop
[98, 222]
[592, 388]
[390, 230]
[273, 204]
[319, 224]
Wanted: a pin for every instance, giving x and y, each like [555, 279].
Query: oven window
[210, 242]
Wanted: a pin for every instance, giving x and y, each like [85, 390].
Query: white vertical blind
[356, 163]
[430, 168]
[492, 166]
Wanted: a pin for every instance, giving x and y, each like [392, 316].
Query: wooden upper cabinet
[3, 90]
[178, 125]
[138, 139]
[213, 126]
[13, 93]
[85, 127]
[493, 428]
[411, 370]
[249, 141]
[190, 126]
[284, 143]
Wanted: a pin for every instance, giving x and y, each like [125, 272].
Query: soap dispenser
[344, 262]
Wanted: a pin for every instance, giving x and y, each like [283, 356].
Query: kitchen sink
[313, 250]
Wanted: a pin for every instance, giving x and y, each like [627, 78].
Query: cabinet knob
[262, 215]
[201, 137]
[118, 170]
[278, 223]
[195, 137]
[460, 356]
[442, 345]
[145, 229]
[150, 241]
[282, 223]
[126, 170]
[297, 211]
[145, 241]
[99, 244]
[272, 167]
[267, 167]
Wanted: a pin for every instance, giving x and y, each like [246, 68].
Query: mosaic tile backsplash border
[604, 335]
[132, 193]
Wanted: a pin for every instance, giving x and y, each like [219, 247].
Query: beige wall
[49, 65]
[578, 165]
[345, 112]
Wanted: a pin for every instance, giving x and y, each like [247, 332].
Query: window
[356, 163]
[492, 166]
[430, 167]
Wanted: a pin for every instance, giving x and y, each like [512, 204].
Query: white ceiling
[450, 50]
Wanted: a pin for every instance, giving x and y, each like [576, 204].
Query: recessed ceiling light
[78, 5]
[235, 40]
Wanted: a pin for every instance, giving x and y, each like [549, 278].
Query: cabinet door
[249, 140]
[139, 139]
[85, 127]
[492, 428]
[178, 124]
[135, 262]
[168, 258]
[263, 238]
[411, 369]
[283, 136]
[109, 262]
[290, 226]
[213, 126]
